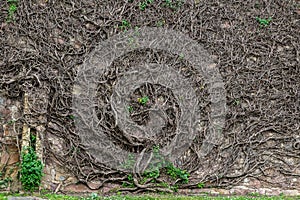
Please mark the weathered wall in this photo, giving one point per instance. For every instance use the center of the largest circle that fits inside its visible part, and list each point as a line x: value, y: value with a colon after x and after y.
x: 57, y: 178
x: 41, y: 54
x: 9, y: 143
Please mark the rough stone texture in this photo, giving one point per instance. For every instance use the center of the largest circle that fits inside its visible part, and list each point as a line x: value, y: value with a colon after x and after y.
x: 291, y: 192
x: 9, y: 148
x: 81, y: 188
x: 38, y: 101
x: 109, y: 188
x: 25, y: 198
x: 56, y: 178
x: 242, y: 190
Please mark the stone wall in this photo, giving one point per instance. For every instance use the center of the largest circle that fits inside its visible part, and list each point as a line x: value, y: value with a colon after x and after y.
x: 10, y: 132
x: 58, y: 179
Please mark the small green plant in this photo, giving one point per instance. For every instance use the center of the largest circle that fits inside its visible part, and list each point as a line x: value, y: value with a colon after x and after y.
x: 72, y: 117
x: 93, y: 196
x: 10, y: 122
x: 129, y: 183
x: 281, y: 194
x: 143, y: 180
x: 5, y: 182
x: 130, y: 177
x: 254, y: 194
x: 8, y: 179
x: 160, y: 23
x: 129, y: 162
x: 75, y: 150
x: 143, y: 5
x: 136, y: 30
x: 13, y: 4
x: 177, y: 173
x: 175, y: 188
x: 168, y: 3
x: 163, y: 184
x: 263, y: 22
x: 181, y: 56
x: 237, y: 101
x: 131, y: 41
x: 174, y: 5
x: 153, y: 171
x: 32, y: 138
x: 130, y: 109
x: 153, y: 174
x: 143, y: 100
x: 125, y: 25
x: 31, y: 170
x: 200, y: 185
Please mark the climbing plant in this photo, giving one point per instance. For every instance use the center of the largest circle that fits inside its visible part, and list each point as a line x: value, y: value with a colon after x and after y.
x: 31, y: 167
x: 31, y: 170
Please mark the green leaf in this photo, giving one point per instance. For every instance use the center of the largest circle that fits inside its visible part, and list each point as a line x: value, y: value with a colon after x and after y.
x: 31, y: 170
